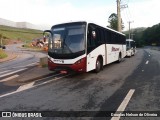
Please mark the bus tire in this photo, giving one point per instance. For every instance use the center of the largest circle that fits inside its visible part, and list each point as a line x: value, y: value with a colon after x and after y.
x: 119, y: 58
x: 133, y: 52
x: 98, y: 65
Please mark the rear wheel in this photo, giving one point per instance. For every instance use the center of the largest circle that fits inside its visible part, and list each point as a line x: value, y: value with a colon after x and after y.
x: 98, y: 66
x: 119, y: 58
x: 133, y: 52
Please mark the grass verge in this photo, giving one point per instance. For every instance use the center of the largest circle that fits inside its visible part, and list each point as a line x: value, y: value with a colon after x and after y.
x: 2, y: 54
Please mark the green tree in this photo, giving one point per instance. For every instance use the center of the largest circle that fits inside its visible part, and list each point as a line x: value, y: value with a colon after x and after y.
x: 137, y: 36
x: 113, y: 21
x: 152, y: 35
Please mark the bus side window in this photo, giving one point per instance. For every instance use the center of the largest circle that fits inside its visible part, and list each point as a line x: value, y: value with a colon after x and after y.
x: 98, y: 38
x: 91, y: 38
x: 108, y: 36
x: 102, y: 36
x: 105, y: 37
x: 88, y: 39
x: 133, y: 44
x: 112, y: 38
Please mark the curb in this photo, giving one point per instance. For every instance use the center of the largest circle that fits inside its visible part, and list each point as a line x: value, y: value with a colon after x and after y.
x: 30, y: 49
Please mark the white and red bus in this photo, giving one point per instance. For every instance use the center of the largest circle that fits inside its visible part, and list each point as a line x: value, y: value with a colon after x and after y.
x: 83, y: 46
x: 130, y: 47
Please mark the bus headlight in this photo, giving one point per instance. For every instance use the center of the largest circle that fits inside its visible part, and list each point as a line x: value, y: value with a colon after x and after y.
x: 78, y: 62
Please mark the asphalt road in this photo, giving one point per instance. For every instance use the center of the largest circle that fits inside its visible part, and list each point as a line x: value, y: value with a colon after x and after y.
x: 104, y: 91
x: 24, y: 61
x: 24, y: 57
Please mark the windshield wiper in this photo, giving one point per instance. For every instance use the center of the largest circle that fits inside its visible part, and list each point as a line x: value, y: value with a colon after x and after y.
x: 66, y: 44
x: 67, y: 47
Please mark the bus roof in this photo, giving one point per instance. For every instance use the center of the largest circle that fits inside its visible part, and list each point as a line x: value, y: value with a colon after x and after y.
x: 129, y: 40
x: 92, y: 23
x: 106, y: 28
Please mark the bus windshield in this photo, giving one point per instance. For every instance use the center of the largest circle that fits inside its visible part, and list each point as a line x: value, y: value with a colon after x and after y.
x: 67, y: 39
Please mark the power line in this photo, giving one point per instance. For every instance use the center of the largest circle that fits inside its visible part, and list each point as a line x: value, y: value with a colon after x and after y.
x: 125, y: 19
x: 131, y: 17
x: 128, y: 16
x: 130, y: 28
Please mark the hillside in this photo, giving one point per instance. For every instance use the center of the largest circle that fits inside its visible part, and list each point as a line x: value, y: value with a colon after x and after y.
x: 24, y: 35
x: 152, y: 35
x: 140, y: 29
x: 146, y: 36
x: 137, y: 34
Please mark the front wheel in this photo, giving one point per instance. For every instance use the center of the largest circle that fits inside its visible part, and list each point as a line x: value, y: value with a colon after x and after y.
x: 98, y: 66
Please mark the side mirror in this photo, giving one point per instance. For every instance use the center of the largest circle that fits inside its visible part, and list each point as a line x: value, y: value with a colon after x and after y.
x: 44, y: 38
x: 45, y: 34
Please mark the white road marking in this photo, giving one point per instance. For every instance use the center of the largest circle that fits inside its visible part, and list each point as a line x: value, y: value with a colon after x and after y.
x: 9, y: 78
x: 149, y: 55
x: 51, y: 80
x: 31, y: 64
x: 14, y: 92
x: 5, y: 71
x: 123, y: 105
x: 3, y: 68
x: 12, y: 72
x: 8, y: 94
x: 48, y: 77
x: 147, y: 62
x: 25, y: 87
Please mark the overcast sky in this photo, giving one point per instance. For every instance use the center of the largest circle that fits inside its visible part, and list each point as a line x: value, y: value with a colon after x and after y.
x: 144, y: 13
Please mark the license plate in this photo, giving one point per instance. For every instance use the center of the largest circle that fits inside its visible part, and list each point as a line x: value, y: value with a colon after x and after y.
x: 63, y: 72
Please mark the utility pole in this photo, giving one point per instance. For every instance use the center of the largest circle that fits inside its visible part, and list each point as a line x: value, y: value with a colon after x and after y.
x: 119, y: 7
x: 132, y: 36
x: 119, y: 15
x: 130, y: 29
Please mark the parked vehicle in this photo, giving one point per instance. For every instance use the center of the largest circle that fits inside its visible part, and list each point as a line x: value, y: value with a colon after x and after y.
x: 84, y: 46
x: 131, y: 47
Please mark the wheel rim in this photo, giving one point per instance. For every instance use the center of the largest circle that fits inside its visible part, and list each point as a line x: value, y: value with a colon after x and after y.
x: 119, y: 59
x: 98, y: 65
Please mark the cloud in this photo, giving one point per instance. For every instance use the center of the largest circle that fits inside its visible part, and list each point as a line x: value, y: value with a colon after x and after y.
x: 144, y: 13
x: 40, y: 12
